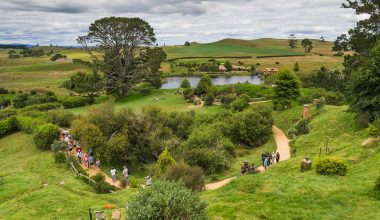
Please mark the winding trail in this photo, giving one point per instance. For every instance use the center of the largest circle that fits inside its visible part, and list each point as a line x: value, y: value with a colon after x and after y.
x: 108, y: 179
x: 282, y: 143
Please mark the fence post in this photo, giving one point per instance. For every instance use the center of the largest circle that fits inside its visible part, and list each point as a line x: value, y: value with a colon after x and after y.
x: 90, y: 212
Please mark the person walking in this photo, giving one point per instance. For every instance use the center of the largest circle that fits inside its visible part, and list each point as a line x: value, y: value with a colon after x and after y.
x: 98, y: 164
x: 113, y: 174
x: 125, y: 174
x: 263, y: 155
x: 273, y: 158
x: 91, y: 162
x: 277, y: 157
x: 148, y: 181
x: 266, y: 163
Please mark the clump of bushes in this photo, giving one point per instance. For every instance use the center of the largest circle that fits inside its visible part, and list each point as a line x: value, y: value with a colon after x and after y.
x: 61, y: 118
x: 191, y: 177
x: 57, y: 57
x: 76, y: 101
x: 58, y: 146
x: 239, y: 104
x: 167, y: 200
x: 3, y: 90
x: 372, y: 130
x: 28, y: 124
x: 4, y: 102
x: 165, y: 160
x: 45, y: 136
x: 209, y: 99
x: 8, y: 126
x: 101, y: 186
x: 331, y: 166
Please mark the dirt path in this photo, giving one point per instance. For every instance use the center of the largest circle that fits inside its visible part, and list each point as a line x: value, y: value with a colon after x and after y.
x: 283, y: 148
x: 92, y: 172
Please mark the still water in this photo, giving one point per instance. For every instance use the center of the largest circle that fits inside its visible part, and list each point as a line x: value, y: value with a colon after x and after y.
x: 175, y: 81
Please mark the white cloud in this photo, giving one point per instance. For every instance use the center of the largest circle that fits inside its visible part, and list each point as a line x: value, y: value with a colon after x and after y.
x: 175, y: 21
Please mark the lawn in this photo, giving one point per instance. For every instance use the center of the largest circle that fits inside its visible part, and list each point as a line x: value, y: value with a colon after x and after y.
x: 284, y: 192
x: 22, y: 196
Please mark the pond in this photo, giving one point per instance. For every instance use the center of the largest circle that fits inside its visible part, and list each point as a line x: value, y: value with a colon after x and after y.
x: 175, y: 81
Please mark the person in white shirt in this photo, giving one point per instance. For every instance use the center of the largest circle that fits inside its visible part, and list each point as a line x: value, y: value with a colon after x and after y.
x: 125, y: 174
x: 113, y: 174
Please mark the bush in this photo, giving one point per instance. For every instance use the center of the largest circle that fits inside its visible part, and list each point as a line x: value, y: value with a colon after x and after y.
x: 239, y: 105
x: 209, y: 99
x: 188, y: 93
x: 377, y: 185
x: 331, y: 166
x: 320, y: 103
x: 4, y: 102
x: 3, y: 91
x: 57, y: 57
x: 59, y: 157
x: 165, y: 160
x: 133, y: 182
x: 40, y: 98
x: 57, y: 146
x: 191, y: 177
x: 100, y: 185
x: 41, y: 107
x: 335, y: 98
x: 28, y: 124
x: 372, y: 130
x: 61, y: 118
x: 185, y: 84
x: 302, y: 127
x: 167, y: 200
x: 45, y: 136
x: 76, y: 101
x: 6, y: 113
x: 226, y: 100
x: 20, y: 101
x: 204, y: 85
x: 305, y: 100
x: 8, y: 126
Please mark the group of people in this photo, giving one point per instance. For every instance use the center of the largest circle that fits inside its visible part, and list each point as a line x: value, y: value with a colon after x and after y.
x: 248, y: 169
x: 126, y: 174
x: 268, y: 159
x: 87, y: 159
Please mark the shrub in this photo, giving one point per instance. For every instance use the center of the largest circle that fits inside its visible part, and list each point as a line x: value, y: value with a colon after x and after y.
x: 3, y: 91
x: 320, y: 103
x: 61, y: 118
x: 59, y: 157
x: 28, y: 124
x: 165, y: 160
x: 204, y: 85
x: 209, y: 99
x: 5, y: 113
x: 296, y: 67
x: 33, y: 92
x: 372, y: 130
x: 4, y: 102
x: 20, y: 101
x: 8, y: 126
x: 226, y: 100
x: 252, y: 127
x: 167, y: 200
x: 45, y: 136
x: 39, y: 99
x: 133, y: 182
x: 188, y: 93
x: 305, y: 100
x: 239, y: 105
x: 191, y: 177
x: 335, y: 98
x: 302, y: 127
x: 41, y: 107
x: 185, y: 84
x: 76, y: 101
x: 100, y: 185
x: 331, y: 166
x: 58, y: 146
x: 57, y: 57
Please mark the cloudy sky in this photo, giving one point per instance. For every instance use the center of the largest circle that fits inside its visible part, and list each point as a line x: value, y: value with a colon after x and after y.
x: 175, y: 21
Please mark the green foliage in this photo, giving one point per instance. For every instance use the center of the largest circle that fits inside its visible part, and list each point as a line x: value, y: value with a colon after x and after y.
x: 20, y: 100
x: 292, y: 42
x: 364, y: 86
x: 59, y: 157
x: 228, y: 66
x: 61, y: 118
x: 8, y: 126
x: 287, y: 89
x: 45, y: 136
x: 84, y: 83
x: 76, y: 101
x: 165, y: 160
x: 4, y: 102
x: 209, y: 99
x: 325, y: 78
x: 302, y: 127
x: 331, y: 166
x: 377, y: 185
x: 307, y: 44
x: 101, y: 186
x: 208, y: 148
x: 192, y: 177
x: 227, y: 100
x: 133, y: 182
x: 372, y: 130
x: 29, y: 124
x: 252, y: 127
x: 239, y: 104
x: 57, y: 146
x: 188, y: 93
x: 41, y: 107
x: 204, y: 85
x: 185, y: 84
x: 187, y: 44
x: 341, y: 43
x: 167, y: 200
x: 320, y: 103
x: 296, y: 67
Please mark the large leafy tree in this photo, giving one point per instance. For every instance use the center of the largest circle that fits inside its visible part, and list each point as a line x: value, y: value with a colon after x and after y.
x: 127, y: 58
x: 307, y: 44
x: 365, y: 86
x: 286, y: 90
x: 341, y: 43
x: 84, y: 83
x: 364, y: 36
x: 292, y: 41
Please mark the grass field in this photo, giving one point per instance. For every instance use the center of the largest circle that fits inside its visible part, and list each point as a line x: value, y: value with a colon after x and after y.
x: 284, y: 192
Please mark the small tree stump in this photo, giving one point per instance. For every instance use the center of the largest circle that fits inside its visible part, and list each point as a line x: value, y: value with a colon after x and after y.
x: 306, y: 165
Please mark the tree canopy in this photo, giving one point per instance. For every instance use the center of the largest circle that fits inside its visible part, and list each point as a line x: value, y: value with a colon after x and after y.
x: 127, y: 58
x: 287, y: 89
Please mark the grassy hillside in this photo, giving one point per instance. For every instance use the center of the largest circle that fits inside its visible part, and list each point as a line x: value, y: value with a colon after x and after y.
x: 284, y: 192
x: 22, y: 196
